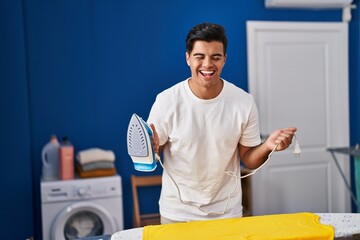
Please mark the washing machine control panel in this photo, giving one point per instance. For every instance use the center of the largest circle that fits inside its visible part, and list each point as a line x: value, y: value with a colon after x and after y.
x: 82, y: 191
x: 79, y: 189
x: 86, y: 191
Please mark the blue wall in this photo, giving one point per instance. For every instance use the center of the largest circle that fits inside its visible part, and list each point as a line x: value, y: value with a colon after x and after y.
x: 16, y: 176
x: 81, y: 68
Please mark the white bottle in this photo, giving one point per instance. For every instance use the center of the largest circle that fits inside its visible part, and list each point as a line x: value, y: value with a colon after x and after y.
x: 50, y: 159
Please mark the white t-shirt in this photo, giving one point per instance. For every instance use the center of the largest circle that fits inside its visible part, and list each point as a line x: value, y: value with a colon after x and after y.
x: 202, y: 138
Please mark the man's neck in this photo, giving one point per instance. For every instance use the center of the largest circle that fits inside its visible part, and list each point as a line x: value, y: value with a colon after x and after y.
x: 206, y: 92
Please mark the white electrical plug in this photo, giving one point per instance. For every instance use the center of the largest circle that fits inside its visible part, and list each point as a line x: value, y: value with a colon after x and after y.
x: 297, y: 149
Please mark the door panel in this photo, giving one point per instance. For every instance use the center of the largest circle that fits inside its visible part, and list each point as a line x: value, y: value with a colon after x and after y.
x: 298, y: 76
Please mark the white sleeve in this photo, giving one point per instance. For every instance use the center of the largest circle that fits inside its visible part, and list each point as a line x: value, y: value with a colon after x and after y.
x: 157, y: 118
x: 251, y: 131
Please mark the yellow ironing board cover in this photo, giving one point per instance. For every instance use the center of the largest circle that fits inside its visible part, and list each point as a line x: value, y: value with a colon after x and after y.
x: 267, y: 227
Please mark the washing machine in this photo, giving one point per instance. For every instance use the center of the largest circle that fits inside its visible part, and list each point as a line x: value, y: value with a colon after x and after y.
x: 81, y: 207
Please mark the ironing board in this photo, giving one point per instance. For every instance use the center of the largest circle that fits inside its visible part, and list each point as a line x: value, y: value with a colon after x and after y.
x: 345, y: 225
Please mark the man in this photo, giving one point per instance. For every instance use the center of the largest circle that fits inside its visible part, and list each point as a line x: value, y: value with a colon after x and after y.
x: 204, y: 126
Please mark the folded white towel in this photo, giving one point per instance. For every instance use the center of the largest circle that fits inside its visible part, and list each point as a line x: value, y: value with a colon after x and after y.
x: 94, y: 154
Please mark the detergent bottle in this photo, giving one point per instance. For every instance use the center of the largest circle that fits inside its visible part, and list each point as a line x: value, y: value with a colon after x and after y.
x: 66, y: 159
x: 50, y: 159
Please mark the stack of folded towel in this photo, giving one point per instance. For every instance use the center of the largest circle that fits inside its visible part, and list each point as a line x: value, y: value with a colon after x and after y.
x: 95, y: 162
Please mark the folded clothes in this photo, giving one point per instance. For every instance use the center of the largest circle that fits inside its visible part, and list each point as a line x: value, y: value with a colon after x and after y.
x: 94, y: 154
x: 95, y: 173
x: 101, y: 164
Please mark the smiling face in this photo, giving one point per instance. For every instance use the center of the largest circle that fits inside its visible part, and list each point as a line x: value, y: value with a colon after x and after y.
x: 206, y: 61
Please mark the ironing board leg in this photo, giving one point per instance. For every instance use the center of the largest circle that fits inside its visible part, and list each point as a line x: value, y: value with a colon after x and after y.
x: 353, y: 197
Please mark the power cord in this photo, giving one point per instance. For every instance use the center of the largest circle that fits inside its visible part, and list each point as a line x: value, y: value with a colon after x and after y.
x: 297, y: 152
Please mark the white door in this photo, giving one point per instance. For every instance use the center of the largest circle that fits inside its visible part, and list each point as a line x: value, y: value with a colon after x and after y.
x: 298, y: 74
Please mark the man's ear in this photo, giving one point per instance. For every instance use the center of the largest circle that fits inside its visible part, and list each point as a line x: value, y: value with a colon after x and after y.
x: 187, y: 58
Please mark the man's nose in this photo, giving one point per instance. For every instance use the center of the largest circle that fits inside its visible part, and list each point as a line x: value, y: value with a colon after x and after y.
x: 207, y: 62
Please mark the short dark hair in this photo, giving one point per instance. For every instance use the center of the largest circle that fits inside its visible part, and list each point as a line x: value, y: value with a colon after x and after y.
x: 206, y: 32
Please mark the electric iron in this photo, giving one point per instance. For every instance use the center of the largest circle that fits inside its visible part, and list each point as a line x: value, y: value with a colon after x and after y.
x: 139, y: 144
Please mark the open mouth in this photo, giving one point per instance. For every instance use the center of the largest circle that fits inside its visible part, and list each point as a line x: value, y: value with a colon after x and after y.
x: 207, y: 73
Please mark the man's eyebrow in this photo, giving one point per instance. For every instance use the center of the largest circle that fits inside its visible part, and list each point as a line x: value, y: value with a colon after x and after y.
x: 213, y: 55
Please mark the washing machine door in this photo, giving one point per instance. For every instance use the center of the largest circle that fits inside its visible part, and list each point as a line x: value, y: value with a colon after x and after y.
x: 82, y: 219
